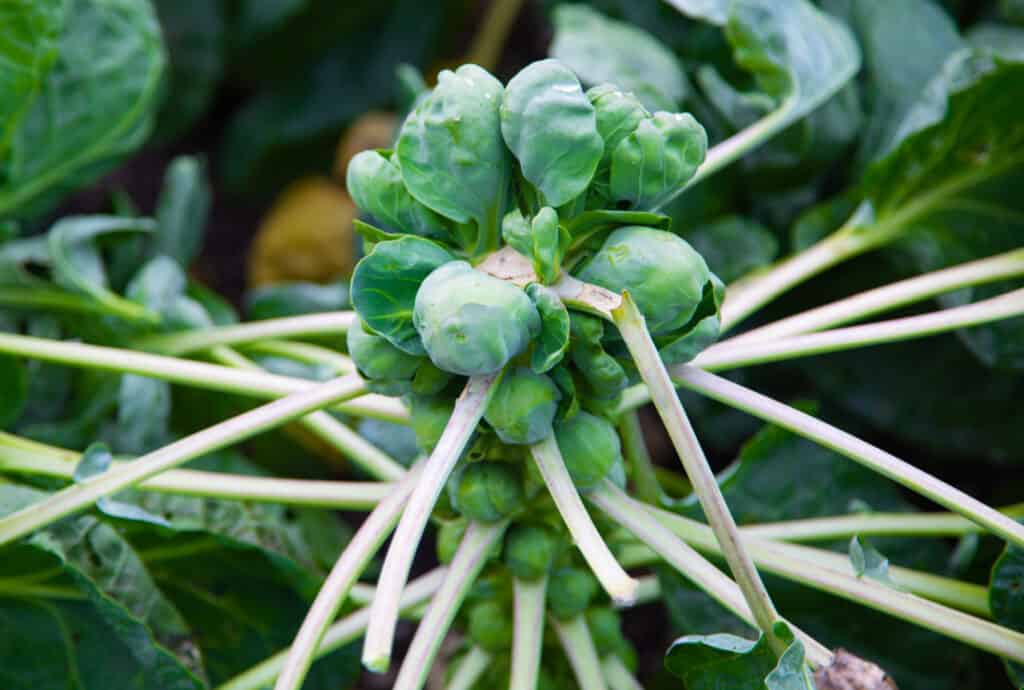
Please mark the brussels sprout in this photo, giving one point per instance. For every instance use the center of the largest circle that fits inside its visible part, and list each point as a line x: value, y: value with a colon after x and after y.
x: 377, y: 359
x: 661, y: 155
x: 590, y: 447
x: 529, y: 551
x: 550, y: 347
x: 523, y: 407
x: 517, y: 233
x: 375, y: 184
x: 449, y: 536
x: 488, y: 491
x: 470, y: 322
x: 664, y: 275
x: 570, y: 591
x: 618, y: 115
x: 606, y: 630
x: 428, y: 416
x: 602, y: 371
x: 490, y: 626
x: 397, y: 440
x: 429, y: 380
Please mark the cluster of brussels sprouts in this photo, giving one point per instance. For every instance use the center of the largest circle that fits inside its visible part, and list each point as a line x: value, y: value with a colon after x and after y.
x: 563, y: 177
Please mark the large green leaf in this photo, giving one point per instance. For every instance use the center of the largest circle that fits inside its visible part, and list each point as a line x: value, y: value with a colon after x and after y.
x: 99, y: 623
x: 947, y: 188
x: 28, y: 47
x: 182, y: 210
x: 1006, y: 597
x: 605, y: 51
x: 94, y: 107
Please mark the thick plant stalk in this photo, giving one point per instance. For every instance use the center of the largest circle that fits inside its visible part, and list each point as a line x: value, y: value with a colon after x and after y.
x: 345, y: 631
x: 21, y: 456
x: 187, y: 372
x: 864, y: 591
x: 617, y: 675
x: 470, y: 668
x: 305, y: 352
x: 681, y: 556
x: 469, y: 560
x: 579, y: 648
x: 616, y: 581
x: 634, y: 331
x: 892, y: 296
x: 80, y: 496
x: 859, y: 451
x: 346, y: 571
x: 528, y: 633
x: 469, y: 409
x: 363, y: 453
x: 328, y: 323
x: 731, y: 356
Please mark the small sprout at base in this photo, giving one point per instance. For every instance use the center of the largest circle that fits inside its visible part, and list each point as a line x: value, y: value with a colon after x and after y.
x: 490, y: 626
x: 488, y: 491
x: 530, y: 550
x: 523, y: 408
x: 570, y: 591
x: 590, y: 448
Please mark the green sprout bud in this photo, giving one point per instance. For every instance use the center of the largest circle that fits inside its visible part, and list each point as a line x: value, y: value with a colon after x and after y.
x: 570, y: 591
x: 523, y: 407
x: 470, y: 322
x: 605, y: 628
x: 664, y: 274
x: 490, y: 626
x: 449, y: 536
x: 428, y: 416
x: 387, y: 369
x: 590, y: 448
x: 530, y: 551
x: 488, y: 491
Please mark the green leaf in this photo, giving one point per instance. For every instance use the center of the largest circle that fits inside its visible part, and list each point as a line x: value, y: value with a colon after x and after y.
x: 551, y: 128
x: 550, y: 347
x: 385, y: 283
x: 1007, y: 41
x: 733, y: 246
x: 95, y: 105
x: 182, y: 210
x: 28, y: 48
x: 1006, y: 598
x: 95, y: 461
x: 15, y: 378
x: 601, y: 50
x: 143, y: 413
x: 549, y: 244
x: 451, y: 153
x: 867, y: 561
x: 111, y: 628
x: 661, y: 155
x: 295, y: 299
x: 953, y: 170
x: 709, y: 662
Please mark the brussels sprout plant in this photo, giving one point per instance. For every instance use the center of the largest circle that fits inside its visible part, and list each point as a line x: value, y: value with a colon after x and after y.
x: 527, y: 286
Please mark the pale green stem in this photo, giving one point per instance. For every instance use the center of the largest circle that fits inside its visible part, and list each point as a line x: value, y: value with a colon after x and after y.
x: 528, y: 633
x: 616, y: 581
x: 731, y: 356
x: 27, y: 457
x: 471, y: 667
x: 187, y: 372
x: 617, y: 675
x: 469, y: 408
x: 369, y: 457
x: 864, y: 591
x: 490, y: 38
x: 306, y: 353
x: 892, y: 296
x: 325, y: 324
x: 681, y: 556
x: 469, y: 560
x: 345, y: 631
x: 47, y: 298
x: 859, y: 451
x: 634, y: 448
x: 634, y: 331
x: 349, y: 566
x: 79, y: 497
x: 647, y: 591
x: 579, y: 648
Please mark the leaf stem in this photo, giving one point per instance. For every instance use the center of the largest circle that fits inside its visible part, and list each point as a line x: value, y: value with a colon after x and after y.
x: 627, y: 512
x: 469, y: 408
x: 22, y: 456
x: 187, y: 372
x: 527, y: 633
x: 892, y: 296
x: 616, y: 581
x: 579, y: 648
x: 345, y: 631
x: 731, y: 356
x: 859, y: 451
x: 304, y: 352
x: 180, y: 343
x: 635, y: 451
x: 471, y: 667
x: 634, y: 331
x: 79, y: 497
x: 350, y: 565
x: 469, y: 560
x: 617, y: 675
x: 485, y: 50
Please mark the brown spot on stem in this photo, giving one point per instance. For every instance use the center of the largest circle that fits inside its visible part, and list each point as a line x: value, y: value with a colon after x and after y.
x: 849, y: 672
